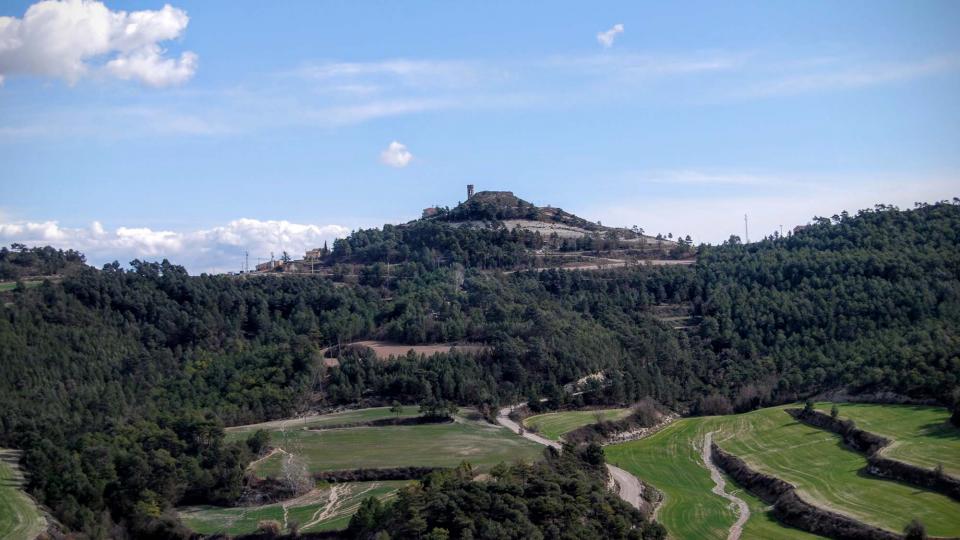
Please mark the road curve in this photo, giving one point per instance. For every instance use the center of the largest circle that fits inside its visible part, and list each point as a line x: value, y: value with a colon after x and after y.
x: 743, y: 510
x: 628, y: 486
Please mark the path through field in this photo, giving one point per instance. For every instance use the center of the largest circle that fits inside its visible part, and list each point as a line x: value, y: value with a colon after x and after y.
x: 629, y: 487
x: 743, y: 511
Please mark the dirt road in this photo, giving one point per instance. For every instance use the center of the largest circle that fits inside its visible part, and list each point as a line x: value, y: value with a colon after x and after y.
x: 629, y: 487
x: 743, y: 510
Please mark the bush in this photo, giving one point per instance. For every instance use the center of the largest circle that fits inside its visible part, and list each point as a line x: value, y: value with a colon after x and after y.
x: 915, y: 531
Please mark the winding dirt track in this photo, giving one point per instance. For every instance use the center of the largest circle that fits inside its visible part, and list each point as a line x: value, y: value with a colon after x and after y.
x: 629, y: 487
x: 743, y: 510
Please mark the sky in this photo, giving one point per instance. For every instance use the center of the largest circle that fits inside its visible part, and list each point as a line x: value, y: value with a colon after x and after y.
x: 201, y: 130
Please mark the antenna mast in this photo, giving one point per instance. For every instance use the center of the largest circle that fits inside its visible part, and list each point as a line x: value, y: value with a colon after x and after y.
x: 746, y: 230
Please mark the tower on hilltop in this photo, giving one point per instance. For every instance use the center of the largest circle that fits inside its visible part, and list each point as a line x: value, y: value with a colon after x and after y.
x: 469, y: 191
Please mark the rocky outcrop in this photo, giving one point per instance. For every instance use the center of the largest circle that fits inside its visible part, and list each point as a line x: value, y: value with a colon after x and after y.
x: 871, y: 444
x: 790, y: 509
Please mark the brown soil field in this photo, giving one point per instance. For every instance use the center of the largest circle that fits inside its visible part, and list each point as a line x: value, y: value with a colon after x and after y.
x: 386, y: 349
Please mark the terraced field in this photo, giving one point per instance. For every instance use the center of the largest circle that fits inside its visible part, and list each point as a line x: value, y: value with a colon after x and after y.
x: 555, y: 425
x: 815, y: 461
x: 921, y: 435
x: 429, y: 445
x: 326, y: 508
x: 20, y: 519
x: 345, y: 417
x: 469, y: 438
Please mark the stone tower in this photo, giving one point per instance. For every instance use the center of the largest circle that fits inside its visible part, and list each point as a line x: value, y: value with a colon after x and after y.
x: 469, y: 191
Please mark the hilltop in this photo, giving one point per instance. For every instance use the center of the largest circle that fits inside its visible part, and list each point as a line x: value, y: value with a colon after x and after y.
x: 496, y: 209
x: 493, y: 230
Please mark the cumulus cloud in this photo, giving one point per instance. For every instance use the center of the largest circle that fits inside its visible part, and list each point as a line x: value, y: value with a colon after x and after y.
x: 606, y: 38
x: 219, y: 248
x: 65, y: 39
x: 396, y: 155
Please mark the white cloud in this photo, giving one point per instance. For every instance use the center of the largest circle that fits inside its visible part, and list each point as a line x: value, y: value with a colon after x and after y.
x: 341, y: 115
x: 848, y: 77
x: 149, y: 66
x: 65, y: 38
x: 216, y: 249
x: 606, y: 38
x: 405, y: 72
x: 396, y: 155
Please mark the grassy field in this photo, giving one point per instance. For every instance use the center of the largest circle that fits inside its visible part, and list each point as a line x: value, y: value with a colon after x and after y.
x: 428, y: 445
x: 921, y: 435
x: 555, y: 425
x: 670, y: 460
x: 814, y: 460
x: 329, y: 507
x: 345, y: 417
x: 20, y: 519
x: 11, y: 285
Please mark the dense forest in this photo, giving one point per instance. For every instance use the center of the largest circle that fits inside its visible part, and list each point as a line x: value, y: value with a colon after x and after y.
x: 19, y: 261
x: 563, y: 497
x: 117, y: 382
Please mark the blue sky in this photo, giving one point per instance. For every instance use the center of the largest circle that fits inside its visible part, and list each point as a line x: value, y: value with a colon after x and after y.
x: 203, y: 129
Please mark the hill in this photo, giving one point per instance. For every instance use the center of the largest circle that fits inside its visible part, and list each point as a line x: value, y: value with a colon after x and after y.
x: 494, y: 230
x: 493, y: 209
x: 117, y: 383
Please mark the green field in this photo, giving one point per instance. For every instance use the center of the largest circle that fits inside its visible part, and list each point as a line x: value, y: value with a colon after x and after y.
x: 428, y: 445
x: 11, y: 285
x: 921, y: 435
x: 345, y: 417
x: 20, y: 519
x: 319, y: 510
x: 555, y: 425
x: 824, y: 472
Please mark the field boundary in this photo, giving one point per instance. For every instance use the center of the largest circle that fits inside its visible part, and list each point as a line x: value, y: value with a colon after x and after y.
x: 629, y: 487
x: 386, y: 422
x: 872, y: 446
x: 371, y: 475
x: 789, y: 508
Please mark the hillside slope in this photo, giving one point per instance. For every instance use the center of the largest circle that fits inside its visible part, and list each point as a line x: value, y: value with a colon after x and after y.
x: 116, y: 383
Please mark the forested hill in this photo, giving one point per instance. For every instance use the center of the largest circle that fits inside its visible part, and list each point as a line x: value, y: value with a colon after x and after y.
x: 496, y: 230
x: 19, y: 262
x: 117, y: 382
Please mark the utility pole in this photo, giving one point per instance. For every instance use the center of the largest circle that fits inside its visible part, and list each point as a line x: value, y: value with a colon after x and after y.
x: 746, y: 230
